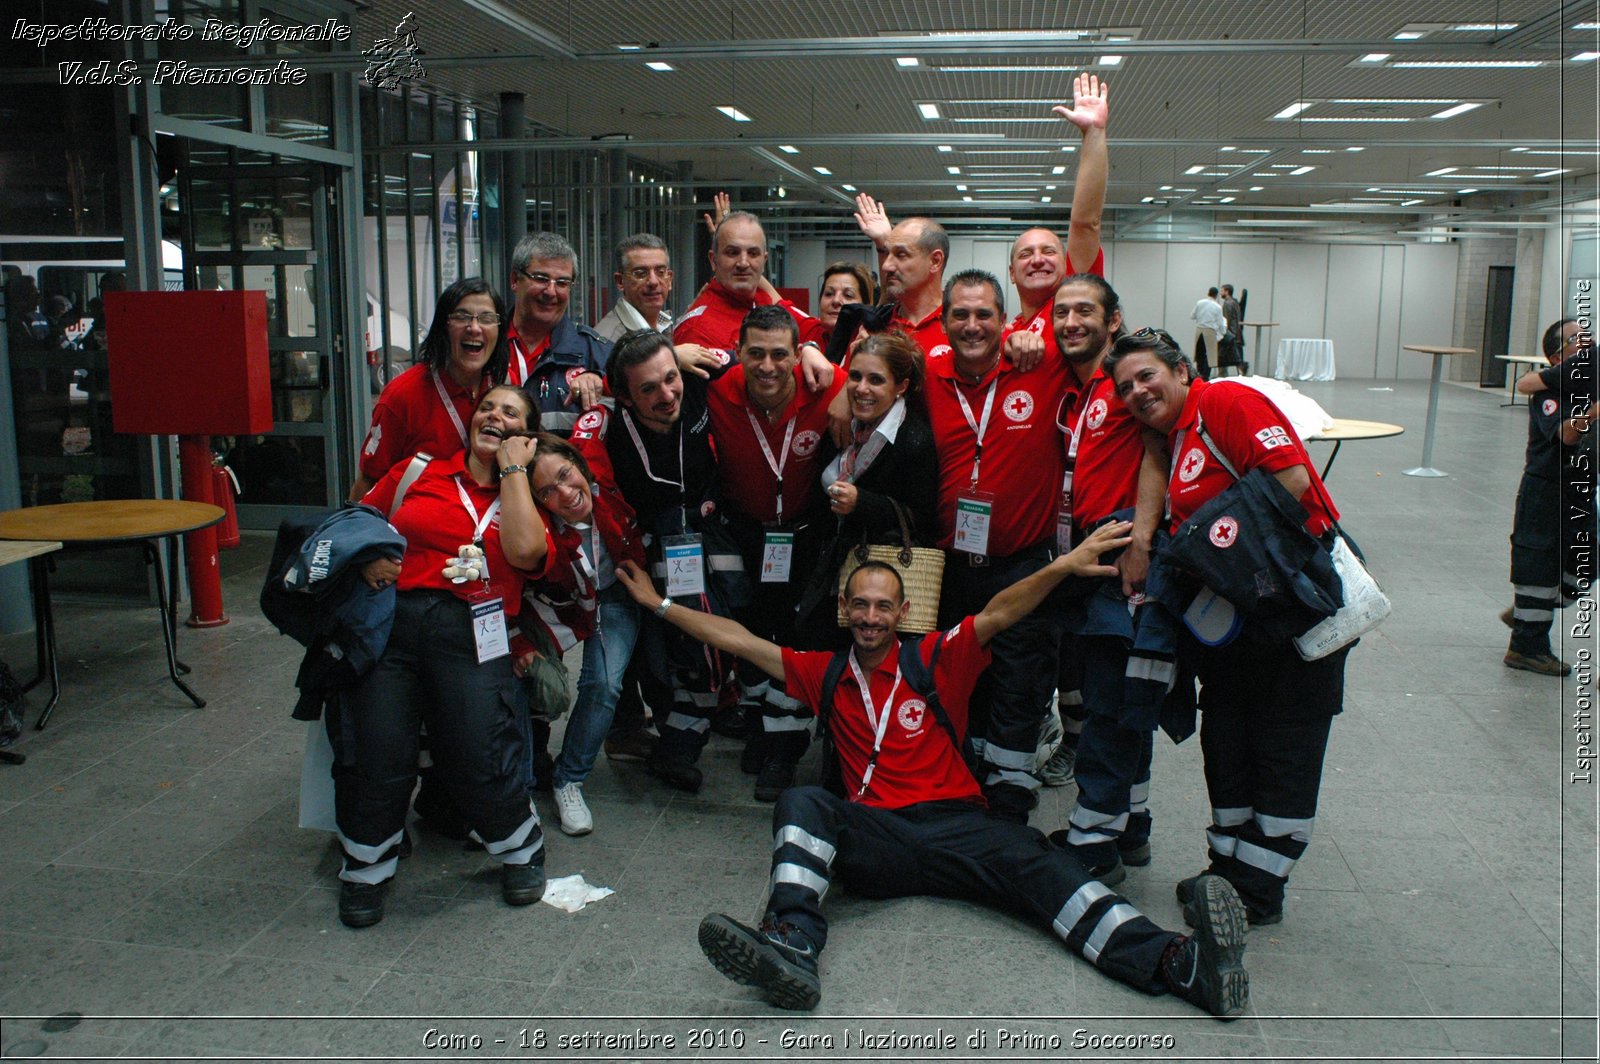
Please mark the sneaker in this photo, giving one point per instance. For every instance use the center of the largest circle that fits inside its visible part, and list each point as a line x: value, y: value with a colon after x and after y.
x: 776, y: 777
x: 575, y: 816
x: 633, y: 747
x: 1050, y: 736
x: 1058, y: 771
x: 523, y: 884
x: 675, y: 772
x: 1543, y: 663
x: 1186, y: 895
x: 777, y: 958
x: 1205, y: 968
x: 360, y: 904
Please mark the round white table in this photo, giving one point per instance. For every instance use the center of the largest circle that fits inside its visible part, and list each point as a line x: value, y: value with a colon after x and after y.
x: 1304, y: 360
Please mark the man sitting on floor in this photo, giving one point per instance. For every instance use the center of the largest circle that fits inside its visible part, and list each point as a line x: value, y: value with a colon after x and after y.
x: 914, y: 821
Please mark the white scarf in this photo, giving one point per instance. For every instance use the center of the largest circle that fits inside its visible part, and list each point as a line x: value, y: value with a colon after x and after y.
x: 860, y: 456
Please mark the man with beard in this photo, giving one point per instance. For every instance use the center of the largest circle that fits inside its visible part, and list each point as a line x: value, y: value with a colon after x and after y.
x: 913, y: 822
x: 1110, y: 474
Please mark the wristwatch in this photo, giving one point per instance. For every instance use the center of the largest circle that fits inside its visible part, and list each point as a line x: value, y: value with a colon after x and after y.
x: 508, y: 470
x: 661, y: 610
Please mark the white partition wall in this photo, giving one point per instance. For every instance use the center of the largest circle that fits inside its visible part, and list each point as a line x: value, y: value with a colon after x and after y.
x: 1427, y: 303
x: 1387, y: 361
x: 1190, y: 270
x: 1139, y: 274
x: 1355, y: 292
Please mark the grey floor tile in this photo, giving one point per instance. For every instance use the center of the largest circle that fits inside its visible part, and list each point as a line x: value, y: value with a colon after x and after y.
x: 310, y: 931
x: 100, y: 978
x: 690, y: 884
x: 1434, y: 866
x: 44, y: 830
x: 609, y: 957
x: 1486, y: 927
x: 76, y: 902
x: 120, y: 784
x: 191, y: 912
x: 153, y: 840
x: 477, y: 936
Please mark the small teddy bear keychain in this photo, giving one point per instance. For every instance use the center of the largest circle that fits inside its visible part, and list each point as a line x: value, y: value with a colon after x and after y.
x: 467, y: 565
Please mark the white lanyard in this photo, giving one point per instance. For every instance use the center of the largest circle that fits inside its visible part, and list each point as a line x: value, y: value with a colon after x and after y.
x: 876, y: 722
x: 980, y: 427
x: 1077, y: 433
x: 522, y: 359
x: 644, y: 459
x: 775, y: 464
x: 449, y: 407
x: 479, y: 523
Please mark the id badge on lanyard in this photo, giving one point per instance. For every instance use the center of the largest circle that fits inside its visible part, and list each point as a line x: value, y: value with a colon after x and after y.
x: 974, y: 512
x: 686, y: 565
x: 489, y: 626
x: 777, y: 554
x: 1064, y: 516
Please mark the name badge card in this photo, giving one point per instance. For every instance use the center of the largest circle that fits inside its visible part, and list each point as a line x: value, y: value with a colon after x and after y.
x: 686, y: 565
x: 776, y: 555
x: 973, y: 514
x: 489, y: 629
x: 1064, y: 516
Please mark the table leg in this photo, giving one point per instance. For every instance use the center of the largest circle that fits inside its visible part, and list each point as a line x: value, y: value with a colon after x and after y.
x: 1426, y: 468
x: 152, y: 555
x: 45, y: 635
x: 1336, y: 445
x: 174, y: 559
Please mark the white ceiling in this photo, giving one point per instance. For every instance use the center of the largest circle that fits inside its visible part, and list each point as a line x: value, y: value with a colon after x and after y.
x: 1199, y: 85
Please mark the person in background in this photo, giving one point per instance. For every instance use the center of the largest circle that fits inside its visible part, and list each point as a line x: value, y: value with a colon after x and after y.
x: 842, y: 283
x: 1552, y: 532
x: 1210, y: 326
x: 560, y: 362
x: 644, y: 279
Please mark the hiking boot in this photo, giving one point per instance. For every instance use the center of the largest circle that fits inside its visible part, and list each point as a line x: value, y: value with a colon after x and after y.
x: 635, y: 747
x: 1186, y: 895
x: 778, y: 958
x: 523, y: 884
x: 676, y: 772
x: 1205, y: 968
x: 1058, y: 771
x: 574, y: 811
x: 737, y: 721
x: 360, y: 904
x: 1544, y: 663
x: 776, y: 777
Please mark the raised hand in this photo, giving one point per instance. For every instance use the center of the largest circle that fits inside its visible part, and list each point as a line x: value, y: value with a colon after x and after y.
x: 1089, y: 108
x: 873, y: 220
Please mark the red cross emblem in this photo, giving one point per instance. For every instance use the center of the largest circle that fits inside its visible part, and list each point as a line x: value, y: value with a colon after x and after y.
x: 1224, y: 532
x: 1192, y: 464
x: 1018, y: 406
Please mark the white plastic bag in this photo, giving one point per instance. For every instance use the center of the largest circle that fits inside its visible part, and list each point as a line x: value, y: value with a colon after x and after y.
x: 316, y: 780
x: 1365, y: 607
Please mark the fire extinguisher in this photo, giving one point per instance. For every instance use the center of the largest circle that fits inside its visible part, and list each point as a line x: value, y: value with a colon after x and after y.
x: 224, y: 486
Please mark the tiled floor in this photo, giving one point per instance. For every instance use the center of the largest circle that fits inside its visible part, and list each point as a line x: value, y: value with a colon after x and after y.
x: 154, y: 879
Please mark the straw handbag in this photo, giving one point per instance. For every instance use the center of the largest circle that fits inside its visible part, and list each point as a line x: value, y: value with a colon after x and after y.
x: 920, y: 568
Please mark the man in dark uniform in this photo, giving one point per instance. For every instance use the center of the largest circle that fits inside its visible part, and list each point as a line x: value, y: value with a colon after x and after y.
x: 1553, y: 532
x: 914, y: 822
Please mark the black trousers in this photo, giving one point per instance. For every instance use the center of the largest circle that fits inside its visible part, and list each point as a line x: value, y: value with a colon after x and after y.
x: 953, y: 850
x: 1552, y: 541
x: 1265, y: 715
x: 1010, y: 701
x: 429, y: 674
x: 1114, y: 755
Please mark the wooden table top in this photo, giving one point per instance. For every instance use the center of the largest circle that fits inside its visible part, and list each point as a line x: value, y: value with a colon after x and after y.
x: 1346, y: 428
x: 1262, y: 324
x: 1429, y: 349
x: 17, y: 550
x: 1525, y: 360
x: 108, y: 520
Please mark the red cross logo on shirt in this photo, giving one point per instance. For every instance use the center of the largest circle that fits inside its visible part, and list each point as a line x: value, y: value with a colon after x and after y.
x: 1192, y: 464
x: 1018, y: 406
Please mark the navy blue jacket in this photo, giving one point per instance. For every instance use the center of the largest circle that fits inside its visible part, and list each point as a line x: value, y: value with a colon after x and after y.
x: 573, y: 346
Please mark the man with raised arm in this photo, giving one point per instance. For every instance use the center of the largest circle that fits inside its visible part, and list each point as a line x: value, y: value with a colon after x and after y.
x: 910, y: 819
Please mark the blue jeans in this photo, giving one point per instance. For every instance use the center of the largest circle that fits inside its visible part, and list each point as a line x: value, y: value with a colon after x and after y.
x: 605, y: 661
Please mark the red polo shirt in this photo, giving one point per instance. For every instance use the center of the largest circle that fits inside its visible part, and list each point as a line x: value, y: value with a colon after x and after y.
x: 1105, y: 478
x: 1250, y: 431
x: 1023, y: 460
x: 409, y: 417
x: 928, y: 333
x: 713, y: 319
x: 917, y: 762
x: 1040, y: 322
x: 436, y: 524
x: 749, y: 486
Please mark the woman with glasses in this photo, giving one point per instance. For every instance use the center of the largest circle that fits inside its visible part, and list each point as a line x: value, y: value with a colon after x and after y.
x: 473, y: 539
x: 1265, y: 711
x: 582, y: 601
x: 427, y: 407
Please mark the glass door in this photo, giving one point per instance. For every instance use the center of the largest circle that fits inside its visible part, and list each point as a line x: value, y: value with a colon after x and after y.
x: 253, y: 222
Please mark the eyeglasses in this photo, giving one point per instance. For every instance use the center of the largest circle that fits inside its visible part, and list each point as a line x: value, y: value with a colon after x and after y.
x: 485, y: 318
x: 644, y: 273
x: 544, y: 280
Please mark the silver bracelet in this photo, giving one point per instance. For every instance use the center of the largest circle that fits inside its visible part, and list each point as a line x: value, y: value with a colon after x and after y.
x: 510, y: 469
x: 661, y: 610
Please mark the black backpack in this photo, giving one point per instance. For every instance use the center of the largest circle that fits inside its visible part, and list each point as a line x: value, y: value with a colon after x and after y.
x: 918, y: 677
